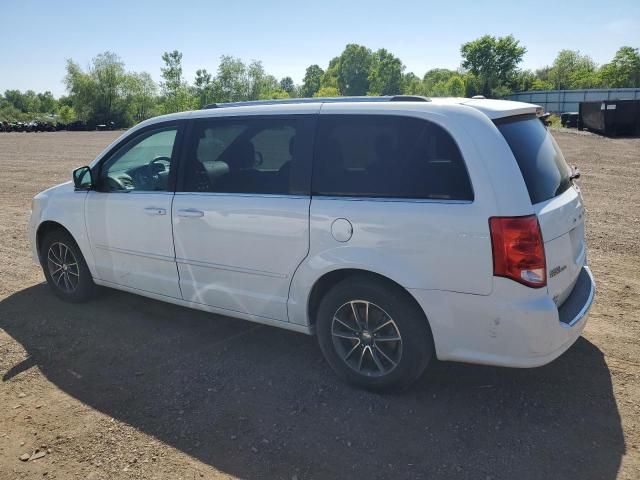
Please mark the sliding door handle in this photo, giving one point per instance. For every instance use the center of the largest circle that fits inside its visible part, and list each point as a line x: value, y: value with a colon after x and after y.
x: 155, y: 211
x: 190, y: 212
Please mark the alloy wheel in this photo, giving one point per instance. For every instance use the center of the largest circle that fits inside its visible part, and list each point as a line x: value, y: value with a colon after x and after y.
x: 63, y: 267
x: 366, y: 338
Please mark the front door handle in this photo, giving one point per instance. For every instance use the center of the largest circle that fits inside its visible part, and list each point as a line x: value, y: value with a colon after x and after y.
x: 190, y: 212
x: 155, y: 211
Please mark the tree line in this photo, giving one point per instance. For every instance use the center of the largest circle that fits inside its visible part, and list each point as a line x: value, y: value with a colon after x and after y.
x: 106, y: 92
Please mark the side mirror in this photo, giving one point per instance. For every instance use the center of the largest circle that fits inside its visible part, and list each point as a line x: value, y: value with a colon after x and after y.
x: 82, y: 178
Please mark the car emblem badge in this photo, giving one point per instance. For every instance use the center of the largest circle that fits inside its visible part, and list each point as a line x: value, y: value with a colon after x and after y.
x: 557, y: 270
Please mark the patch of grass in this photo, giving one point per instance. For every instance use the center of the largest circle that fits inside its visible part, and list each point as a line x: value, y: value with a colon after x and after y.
x: 554, y: 121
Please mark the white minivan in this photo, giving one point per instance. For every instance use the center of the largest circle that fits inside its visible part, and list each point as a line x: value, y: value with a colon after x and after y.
x: 395, y: 229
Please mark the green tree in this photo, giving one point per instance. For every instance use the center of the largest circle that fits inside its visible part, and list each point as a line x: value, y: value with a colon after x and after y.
x: 473, y: 85
x: 141, y: 92
x: 442, y: 82
x: 48, y: 103
x: 624, y: 70
x: 353, y: 70
x: 539, y: 84
x: 412, y: 85
x: 32, y: 101
x: 385, y: 74
x: 455, y: 86
x: 541, y: 80
x: 522, y: 80
x: 501, y: 91
x: 438, y: 89
x: 436, y: 76
x: 231, y: 82
x: 257, y: 82
x: 543, y: 73
x: 82, y: 90
x: 107, y: 93
x: 109, y: 78
x: 98, y: 96
x: 570, y: 70
x: 280, y: 94
x: 15, y: 99
x: 9, y: 113
x: 297, y: 92
x: 492, y: 60
x: 327, y: 92
x: 330, y: 76
x: 204, y: 88
x: 238, y: 82
x: 287, y: 85
x: 269, y: 88
x: 312, y: 78
x: 27, y: 102
x: 66, y: 114
x: 175, y: 91
x: 64, y: 100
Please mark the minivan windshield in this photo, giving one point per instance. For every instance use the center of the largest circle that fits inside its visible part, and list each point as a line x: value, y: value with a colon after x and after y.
x: 541, y: 162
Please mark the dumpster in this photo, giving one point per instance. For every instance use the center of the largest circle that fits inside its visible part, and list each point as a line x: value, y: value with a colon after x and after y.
x: 610, y: 117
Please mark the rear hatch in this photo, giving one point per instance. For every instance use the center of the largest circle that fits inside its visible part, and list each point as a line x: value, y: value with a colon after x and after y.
x: 556, y: 199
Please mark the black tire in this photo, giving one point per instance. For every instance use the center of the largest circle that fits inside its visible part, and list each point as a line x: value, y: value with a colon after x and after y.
x: 65, y: 270
x: 405, y: 360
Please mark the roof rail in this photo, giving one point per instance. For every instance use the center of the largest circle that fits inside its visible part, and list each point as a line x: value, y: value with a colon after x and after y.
x: 286, y: 101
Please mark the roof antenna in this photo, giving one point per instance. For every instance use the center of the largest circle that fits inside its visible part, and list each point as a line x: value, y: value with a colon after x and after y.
x: 478, y: 97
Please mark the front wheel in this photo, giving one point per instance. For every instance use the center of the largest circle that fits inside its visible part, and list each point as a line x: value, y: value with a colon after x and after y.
x: 64, y: 267
x: 373, y: 335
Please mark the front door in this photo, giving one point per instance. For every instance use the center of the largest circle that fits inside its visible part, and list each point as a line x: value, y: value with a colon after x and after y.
x: 241, y: 221
x: 128, y: 215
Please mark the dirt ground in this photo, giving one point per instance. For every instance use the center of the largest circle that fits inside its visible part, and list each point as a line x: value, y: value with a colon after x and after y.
x: 126, y: 387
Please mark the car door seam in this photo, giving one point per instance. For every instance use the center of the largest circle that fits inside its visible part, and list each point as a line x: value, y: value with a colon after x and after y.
x: 309, y: 198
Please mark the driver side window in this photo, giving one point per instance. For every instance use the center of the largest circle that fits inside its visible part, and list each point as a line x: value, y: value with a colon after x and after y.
x: 141, y: 165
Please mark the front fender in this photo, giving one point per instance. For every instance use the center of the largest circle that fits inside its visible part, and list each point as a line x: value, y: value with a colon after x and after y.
x: 65, y: 206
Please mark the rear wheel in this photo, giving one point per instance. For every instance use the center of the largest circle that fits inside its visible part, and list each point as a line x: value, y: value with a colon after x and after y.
x: 65, y: 268
x: 373, y: 334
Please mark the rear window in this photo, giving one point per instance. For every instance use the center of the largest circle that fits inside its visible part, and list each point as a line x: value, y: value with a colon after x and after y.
x: 541, y: 162
x: 387, y: 156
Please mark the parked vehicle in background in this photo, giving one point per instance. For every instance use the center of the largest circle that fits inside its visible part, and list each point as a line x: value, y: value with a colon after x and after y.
x: 569, y: 119
x: 395, y: 229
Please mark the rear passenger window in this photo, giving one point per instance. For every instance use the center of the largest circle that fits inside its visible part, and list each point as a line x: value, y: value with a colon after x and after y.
x: 250, y: 155
x: 387, y: 156
x: 274, y: 146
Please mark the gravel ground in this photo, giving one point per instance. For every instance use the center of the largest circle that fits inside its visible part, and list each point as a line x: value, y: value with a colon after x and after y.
x: 126, y: 387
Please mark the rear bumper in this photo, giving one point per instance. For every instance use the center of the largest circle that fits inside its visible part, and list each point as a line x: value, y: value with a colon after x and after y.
x: 513, y: 327
x: 577, y: 305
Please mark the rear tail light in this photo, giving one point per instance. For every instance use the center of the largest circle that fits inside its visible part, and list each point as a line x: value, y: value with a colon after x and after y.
x: 518, y: 250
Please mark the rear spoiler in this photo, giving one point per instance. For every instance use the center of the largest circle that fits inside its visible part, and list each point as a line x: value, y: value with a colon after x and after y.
x: 495, y: 109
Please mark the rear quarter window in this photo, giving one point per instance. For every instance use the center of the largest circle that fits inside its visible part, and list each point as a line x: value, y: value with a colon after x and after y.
x: 387, y: 156
x: 543, y: 167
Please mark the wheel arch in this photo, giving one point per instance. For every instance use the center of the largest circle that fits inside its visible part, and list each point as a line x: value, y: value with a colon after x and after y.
x: 47, y: 227
x: 324, y: 283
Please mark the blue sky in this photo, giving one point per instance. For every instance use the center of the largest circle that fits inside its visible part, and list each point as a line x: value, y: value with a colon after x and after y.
x: 288, y: 36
